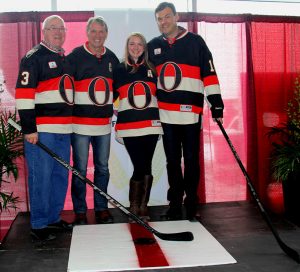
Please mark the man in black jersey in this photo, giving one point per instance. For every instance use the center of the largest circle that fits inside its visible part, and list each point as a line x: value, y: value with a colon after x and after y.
x: 93, y: 65
x: 185, y: 75
x: 44, y: 98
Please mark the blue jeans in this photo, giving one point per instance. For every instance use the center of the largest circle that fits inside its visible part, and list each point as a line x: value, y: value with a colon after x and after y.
x: 101, y: 148
x: 182, y: 140
x: 47, y: 179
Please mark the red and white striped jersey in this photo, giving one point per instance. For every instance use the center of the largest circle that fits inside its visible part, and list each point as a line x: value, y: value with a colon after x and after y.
x: 185, y: 75
x: 137, y: 112
x: 44, y: 92
x: 93, y: 77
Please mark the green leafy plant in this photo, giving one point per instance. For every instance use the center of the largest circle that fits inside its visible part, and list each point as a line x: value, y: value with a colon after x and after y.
x: 11, y: 148
x: 285, y: 156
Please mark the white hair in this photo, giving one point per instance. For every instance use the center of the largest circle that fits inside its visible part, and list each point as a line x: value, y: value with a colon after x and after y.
x: 48, y: 19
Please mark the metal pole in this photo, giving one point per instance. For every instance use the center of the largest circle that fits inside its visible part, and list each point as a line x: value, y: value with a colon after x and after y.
x: 53, y: 5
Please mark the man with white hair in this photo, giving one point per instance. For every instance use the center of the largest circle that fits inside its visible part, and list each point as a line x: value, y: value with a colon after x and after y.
x: 44, y: 98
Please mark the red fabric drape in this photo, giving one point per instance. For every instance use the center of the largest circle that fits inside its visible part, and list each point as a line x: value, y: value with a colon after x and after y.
x: 16, y: 38
x: 276, y: 61
x: 222, y: 178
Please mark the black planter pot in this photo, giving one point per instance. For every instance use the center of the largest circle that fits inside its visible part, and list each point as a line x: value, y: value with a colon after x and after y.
x: 291, y: 194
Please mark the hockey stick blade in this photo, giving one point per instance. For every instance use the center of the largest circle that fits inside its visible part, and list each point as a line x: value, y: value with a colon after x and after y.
x: 289, y: 251
x: 179, y: 236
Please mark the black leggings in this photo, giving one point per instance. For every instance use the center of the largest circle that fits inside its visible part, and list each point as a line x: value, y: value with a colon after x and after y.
x: 141, y: 150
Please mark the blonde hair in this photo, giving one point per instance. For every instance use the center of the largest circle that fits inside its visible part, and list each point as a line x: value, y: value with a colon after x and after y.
x: 148, y: 64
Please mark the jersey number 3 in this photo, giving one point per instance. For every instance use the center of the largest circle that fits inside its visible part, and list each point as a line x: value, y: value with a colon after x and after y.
x: 25, y: 78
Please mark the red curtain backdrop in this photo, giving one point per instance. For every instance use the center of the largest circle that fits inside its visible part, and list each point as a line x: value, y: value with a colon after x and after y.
x: 16, y: 38
x: 276, y: 62
x: 223, y: 181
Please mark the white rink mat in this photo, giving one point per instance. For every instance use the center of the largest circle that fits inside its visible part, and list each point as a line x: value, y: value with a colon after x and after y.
x: 111, y: 248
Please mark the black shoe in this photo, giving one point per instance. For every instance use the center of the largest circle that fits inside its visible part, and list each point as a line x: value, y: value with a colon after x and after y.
x: 80, y: 219
x: 192, y: 213
x: 193, y: 217
x: 103, y: 217
x: 61, y: 225
x: 173, y: 213
x: 43, y: 234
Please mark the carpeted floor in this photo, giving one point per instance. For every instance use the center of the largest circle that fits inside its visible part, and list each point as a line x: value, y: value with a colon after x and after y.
x: 237, y: 226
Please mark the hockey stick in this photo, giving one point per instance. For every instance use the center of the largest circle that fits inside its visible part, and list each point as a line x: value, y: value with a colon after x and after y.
x: 179, y: 236
x: 289, y: 251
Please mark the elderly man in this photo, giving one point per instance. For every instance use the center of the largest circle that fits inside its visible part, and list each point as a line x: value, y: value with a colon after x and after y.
x: 93, y: 64
x: 44, y: 98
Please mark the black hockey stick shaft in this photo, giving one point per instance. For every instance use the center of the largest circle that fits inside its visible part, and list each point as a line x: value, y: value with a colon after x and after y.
x: 179, y: 236
x: 289, y: 251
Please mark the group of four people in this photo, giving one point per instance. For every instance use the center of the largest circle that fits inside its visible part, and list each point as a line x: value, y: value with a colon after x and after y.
x: 160, y: 86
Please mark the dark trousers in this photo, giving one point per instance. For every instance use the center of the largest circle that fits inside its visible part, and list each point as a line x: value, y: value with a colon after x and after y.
x: 182, y: 141
x: 141, y: 150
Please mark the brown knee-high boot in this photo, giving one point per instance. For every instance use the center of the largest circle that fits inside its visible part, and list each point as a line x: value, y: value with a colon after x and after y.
x: 135, y: 193
x: 147, y: 184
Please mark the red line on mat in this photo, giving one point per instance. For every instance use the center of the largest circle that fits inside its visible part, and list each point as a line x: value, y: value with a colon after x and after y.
x: 148, y: 255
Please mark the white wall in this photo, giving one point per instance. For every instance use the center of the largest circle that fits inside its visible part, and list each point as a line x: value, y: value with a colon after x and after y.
x: 122, y: 22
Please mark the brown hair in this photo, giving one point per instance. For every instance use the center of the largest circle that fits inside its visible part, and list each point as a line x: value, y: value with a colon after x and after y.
x: 164, y: 5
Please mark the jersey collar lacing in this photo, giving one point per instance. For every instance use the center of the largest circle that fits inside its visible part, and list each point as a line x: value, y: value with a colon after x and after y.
x: 98, y: 55
x: 59, y: 51
x: 171, y: 41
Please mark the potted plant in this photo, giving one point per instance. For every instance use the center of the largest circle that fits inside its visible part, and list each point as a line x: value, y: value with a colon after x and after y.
x: 11, y: 147
x: 285, y: 156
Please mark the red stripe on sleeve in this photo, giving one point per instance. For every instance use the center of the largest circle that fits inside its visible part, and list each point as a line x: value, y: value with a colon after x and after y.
x: 210, y: 80
x: 25, y: 93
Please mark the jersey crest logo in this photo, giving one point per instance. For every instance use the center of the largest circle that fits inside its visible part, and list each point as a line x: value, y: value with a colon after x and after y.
x: 157, y: 51
x: 52, y: 64
x: 31, y: 52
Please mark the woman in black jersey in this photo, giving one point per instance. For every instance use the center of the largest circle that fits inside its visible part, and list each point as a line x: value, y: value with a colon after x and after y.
x: 138, y: 123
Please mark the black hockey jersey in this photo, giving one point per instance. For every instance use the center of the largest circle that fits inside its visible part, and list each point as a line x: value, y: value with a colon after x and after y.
x: 137, y: 112
x: 44, y: 92
x: 186, y: 73
x: 93, y: 77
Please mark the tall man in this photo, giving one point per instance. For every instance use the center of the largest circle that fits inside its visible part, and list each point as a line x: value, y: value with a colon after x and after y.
x: 186, y: 73
x: 93, y: 64
x: 44, y: 98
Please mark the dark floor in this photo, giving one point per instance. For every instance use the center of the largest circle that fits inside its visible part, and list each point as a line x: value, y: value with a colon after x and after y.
x: 238, y: 226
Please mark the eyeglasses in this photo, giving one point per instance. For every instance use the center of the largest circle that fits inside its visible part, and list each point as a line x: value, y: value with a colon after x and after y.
x: 54, y: 29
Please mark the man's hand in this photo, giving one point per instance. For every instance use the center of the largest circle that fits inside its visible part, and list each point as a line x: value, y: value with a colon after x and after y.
x: 31, y: 138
